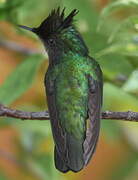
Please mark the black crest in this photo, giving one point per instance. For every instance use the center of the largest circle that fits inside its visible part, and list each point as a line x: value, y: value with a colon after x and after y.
x: 55, y: 22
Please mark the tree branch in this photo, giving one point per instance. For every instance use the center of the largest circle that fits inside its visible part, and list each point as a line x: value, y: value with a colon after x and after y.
x: 125, y: 116
x: 44, y: 115
x: 8, y: 112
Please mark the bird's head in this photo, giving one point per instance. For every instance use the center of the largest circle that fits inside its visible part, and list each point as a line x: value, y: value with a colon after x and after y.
x: 59, y: 34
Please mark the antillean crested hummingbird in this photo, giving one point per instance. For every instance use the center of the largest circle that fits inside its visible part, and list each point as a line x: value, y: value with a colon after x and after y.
x: 74, y: 89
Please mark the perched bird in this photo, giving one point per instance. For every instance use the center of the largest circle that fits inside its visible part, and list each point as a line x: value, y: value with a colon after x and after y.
x: 74, y: 90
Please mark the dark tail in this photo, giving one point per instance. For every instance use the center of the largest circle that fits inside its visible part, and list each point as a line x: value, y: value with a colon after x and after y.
x: 59, y: 163
x: 74, y: 158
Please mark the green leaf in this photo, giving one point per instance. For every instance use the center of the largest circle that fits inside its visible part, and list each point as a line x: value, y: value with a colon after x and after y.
x: 114, y: 65
x: 10, y: 7
x: 116, y: 5
x: 127, y: 24
x: 89, y: 16
x: 123, y: 48
x: 20, y: 11
x: 116, y: 99
x: 19, y: 80
x: 131, y: 85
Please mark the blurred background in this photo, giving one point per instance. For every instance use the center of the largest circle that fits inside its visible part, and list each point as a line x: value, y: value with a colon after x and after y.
x: 110, y: 29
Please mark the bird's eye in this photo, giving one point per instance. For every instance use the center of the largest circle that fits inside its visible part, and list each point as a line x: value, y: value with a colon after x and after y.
x: 51, y: 41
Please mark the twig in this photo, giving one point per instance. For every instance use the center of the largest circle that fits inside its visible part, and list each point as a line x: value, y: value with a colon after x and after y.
x: 125, y: 116
x: 44, y: 115
x: 8, y: 112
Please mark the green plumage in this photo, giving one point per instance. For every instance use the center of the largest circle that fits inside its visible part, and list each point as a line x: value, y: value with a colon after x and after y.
x: 74, y: 91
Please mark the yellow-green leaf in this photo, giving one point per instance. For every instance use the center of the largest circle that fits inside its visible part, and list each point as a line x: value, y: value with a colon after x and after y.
x: 19, y: 80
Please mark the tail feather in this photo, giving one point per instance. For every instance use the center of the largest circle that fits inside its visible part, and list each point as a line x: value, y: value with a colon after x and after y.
x: 59, y: 163
x: 74, y: 157
x: 75, y: 153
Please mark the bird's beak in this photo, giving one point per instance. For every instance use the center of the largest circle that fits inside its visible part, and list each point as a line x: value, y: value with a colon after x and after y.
x: 27, y: 28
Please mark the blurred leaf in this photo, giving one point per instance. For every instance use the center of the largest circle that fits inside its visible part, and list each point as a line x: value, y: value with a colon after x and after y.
x: 7, y: 10
x: 19, y: 80
x: 127, y: 49
x: 116, y: 99
x: 20, y: 11
x: 116, y: 5
x: 83, y: 15
x: 130, y: 22
x: 131, y: 85
x: 26, y: 14
x: 114, y: 65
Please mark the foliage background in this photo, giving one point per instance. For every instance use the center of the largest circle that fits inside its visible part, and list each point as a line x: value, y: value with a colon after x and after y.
x: 110, y: 29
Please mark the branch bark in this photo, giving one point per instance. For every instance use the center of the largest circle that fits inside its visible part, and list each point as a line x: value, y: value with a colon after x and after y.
x: 44, y: 115
x: 8, y: 112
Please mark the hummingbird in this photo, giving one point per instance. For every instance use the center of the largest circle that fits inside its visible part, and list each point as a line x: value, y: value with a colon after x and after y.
x: 74, y: 89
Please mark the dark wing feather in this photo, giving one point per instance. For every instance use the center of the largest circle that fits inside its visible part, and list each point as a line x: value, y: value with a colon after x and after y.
x: 94, y: 114
x: 58, y: 134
